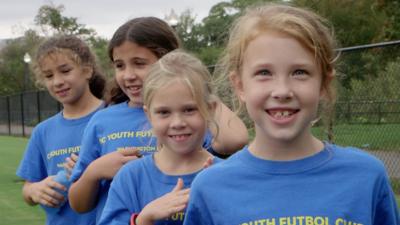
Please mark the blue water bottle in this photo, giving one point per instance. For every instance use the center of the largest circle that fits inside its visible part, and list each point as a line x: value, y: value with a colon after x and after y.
x: 61, y: 178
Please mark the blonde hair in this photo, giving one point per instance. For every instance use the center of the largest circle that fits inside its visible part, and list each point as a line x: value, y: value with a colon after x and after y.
x: 308, y: 28
x: 180, y: 66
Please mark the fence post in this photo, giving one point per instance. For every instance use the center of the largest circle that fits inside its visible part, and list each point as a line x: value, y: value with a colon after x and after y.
x: 8, y: 114
x: 22, y: 113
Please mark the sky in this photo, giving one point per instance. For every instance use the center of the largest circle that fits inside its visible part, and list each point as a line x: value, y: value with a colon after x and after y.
x: 105, y: 16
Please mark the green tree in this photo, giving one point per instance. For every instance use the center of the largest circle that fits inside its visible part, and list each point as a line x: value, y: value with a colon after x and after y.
x: 49, y: 17
x: 13, y: 68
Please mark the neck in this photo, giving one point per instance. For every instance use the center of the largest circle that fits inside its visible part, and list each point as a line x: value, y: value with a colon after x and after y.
x: 85, y: 105
x: 172, y: 163
x: 286, y: 150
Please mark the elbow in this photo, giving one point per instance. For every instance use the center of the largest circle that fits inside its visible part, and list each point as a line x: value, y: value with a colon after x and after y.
x: 230, y: 147
x: 76, y: 205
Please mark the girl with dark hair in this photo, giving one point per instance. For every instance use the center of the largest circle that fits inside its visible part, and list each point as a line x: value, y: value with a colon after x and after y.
x: 122, y: 132
x: 66, y: 67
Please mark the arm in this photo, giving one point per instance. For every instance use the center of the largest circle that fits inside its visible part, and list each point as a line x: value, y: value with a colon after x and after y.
x: 43, y: 192
x: 232, y: 133
x: 83, y: 194
x: 386, y: 209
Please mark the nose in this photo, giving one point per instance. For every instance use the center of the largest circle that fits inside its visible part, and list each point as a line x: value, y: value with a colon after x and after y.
x: 130, y: 73
x: 58, y: 80
x: 282, y: 89
x: 178, y: 122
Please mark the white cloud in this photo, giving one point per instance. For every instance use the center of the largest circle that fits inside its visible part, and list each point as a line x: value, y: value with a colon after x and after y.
x: 105, y: 16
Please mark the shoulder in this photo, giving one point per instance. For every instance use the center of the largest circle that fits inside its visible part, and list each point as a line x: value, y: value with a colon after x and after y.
x: 135, y: 167
x: 110, y: 109
x: 47, y: 124
x: 357, y: 158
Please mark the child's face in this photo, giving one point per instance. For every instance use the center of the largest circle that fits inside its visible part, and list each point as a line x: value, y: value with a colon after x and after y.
x: 280, y: 83
x: 176, y: 119
x: 131, y: 64
x: 65, y: 80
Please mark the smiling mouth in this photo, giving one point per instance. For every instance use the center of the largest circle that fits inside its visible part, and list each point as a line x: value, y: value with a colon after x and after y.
x: 62, y: 92
x: 180, y: 137
x: 134, y: 89
x: 282, y: 114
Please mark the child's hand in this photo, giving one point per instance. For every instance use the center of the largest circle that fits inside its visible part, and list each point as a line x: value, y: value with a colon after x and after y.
x: 208, y: 162
x: 165, y: 206
x: 108, y: 165
x: 70, y: 163
x: 44, y: 192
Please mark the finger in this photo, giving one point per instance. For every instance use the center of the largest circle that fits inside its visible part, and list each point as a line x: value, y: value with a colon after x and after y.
x: 184, y: 191
x: 129, y: 151
x: 69, y: 164
x: 74, y: 157
x: 54, y: 194
x: 51, y: 198
x: 177, y: 208
x: 208, y: 162
x: 129, y: 158
x: 178, y: 186
x: 55, y: 185
x: 47, y: 203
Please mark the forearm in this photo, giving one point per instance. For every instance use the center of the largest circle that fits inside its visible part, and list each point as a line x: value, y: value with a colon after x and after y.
x: 231, y: 134
x: 83, y: 193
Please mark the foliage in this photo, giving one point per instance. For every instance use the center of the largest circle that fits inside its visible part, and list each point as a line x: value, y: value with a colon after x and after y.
x: 14, y: 73
x: 49, y: 17
x: 12, y: 68
x: 355, y: 23
x: 99, y: 48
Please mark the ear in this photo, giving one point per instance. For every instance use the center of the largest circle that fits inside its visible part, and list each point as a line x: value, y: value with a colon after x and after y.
x: 237, y: 84
x: 328, y: 80
x: 87, y: 72
x: 212, y: 106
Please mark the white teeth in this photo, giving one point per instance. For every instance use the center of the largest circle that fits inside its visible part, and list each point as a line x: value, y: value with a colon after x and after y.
x: 281, y: 114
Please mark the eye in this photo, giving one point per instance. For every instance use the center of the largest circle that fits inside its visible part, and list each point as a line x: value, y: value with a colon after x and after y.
x: 300, y: 72
x: 65, y: 70
x: 190, y: 110
x: 140, y: 63
x: 118, y: 65
x: 162, y: 112
x: 263, y: 72
x: 48, y: 76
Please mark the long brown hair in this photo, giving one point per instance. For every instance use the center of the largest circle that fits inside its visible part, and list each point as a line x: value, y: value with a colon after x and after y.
x: 78, y: 51
x: 149, y: 32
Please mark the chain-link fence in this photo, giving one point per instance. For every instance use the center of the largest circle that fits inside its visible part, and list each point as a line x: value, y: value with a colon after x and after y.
x: 367, y: 113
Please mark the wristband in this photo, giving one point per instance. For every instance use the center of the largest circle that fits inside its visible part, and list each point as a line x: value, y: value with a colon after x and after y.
x: 133, y: 218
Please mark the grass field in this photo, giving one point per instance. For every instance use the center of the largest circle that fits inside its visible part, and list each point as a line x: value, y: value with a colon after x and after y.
x: 13, y: 209
x: 369, y: 137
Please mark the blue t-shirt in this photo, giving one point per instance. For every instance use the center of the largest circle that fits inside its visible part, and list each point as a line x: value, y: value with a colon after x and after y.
x: 337, y: 186
x: 137, y: 184
x: 52, y: 141
x: 116, y: 127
